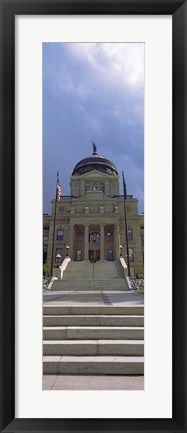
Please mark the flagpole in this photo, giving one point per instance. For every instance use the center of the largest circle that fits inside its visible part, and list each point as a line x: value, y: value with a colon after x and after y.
x: 126, y: 229
x: 54, y: 225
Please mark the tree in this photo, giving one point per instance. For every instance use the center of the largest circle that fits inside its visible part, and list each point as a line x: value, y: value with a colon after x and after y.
x: 46, y: 269
x: 139, y: 270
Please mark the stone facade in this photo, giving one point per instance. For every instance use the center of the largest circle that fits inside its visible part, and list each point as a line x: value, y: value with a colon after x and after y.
x: 91, y: 221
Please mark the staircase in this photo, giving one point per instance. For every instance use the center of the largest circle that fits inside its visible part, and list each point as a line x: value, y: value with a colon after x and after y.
x: 80, y: 338
x: 93, y: 340
x: 82, y: 270
x: 84, y: 275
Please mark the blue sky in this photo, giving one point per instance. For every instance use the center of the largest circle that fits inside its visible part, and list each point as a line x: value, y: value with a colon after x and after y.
x: 93, y: 91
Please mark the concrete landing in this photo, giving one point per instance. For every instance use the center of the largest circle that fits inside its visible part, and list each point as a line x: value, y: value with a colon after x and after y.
x: 97, y: 298
x: 108, y: 383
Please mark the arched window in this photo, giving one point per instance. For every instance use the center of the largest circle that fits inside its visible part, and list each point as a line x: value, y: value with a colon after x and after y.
x: 102, y: 187
x: 94, y: 186
x: 94, y: 237
x: 87, y: 187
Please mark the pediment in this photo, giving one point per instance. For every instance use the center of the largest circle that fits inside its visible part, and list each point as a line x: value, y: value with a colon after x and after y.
x: 94, y: 174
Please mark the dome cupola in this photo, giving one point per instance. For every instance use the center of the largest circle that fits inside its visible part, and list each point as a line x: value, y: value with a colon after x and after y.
x: 94, y: 162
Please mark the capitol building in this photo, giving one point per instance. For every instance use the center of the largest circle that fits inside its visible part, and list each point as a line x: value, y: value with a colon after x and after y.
x: 90, y: 223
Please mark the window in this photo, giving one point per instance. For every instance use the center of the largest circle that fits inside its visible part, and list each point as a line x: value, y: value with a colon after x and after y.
x: 87, y: 186
x: 60, y: 235
x: 58, y: 252
x: 130, y: 234
x: 94, y: 237
x: 102, y: 187
x: 45, y: 240
x: 131, y: 255
x: 94, y: 186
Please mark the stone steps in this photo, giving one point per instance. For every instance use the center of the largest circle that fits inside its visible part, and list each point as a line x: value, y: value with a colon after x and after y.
x: 91, y: 332
x: 104, y: 281
x: 85, y: 285
x: 85, y: 270
x: 84, y: 275
x: 92, y: 310
x: 94, y: 347
x: 92, y: 320
x: 89, y: 365
x: 93, y: 339
x: 102, y: 277
x: 78, y: 270
x: 79, y: 288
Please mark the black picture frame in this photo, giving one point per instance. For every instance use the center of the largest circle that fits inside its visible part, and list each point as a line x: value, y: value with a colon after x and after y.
x: 8, y: 10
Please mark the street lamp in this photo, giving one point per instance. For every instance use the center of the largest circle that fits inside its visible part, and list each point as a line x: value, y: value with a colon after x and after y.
x: 67, y: 250
x: 120, y: 248
x: 58, y: 259
x: 108, y: 235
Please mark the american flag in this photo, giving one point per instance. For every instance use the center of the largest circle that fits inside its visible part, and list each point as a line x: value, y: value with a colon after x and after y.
x: 58, y: 189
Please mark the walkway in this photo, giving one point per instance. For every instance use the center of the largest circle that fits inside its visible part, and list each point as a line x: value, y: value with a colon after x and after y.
x: 96, y: 298
x: 108, y: 383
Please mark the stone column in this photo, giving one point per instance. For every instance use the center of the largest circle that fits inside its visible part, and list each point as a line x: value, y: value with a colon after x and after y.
x: 71, y: 239
x: 86, y: 242
x: 102, y: 243
x: 117, y: 240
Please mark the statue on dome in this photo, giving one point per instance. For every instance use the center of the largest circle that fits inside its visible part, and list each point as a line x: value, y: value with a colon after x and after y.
x: 94, y: 147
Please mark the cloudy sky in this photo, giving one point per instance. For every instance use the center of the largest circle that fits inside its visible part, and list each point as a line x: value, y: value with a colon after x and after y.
x: 93, y: 91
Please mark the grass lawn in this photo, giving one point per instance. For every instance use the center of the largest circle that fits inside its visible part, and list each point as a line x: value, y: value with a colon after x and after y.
x: 141, y: 291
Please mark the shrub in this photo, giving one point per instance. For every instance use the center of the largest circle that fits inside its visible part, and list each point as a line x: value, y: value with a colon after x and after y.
x: 139, y: 270
x: 46, y: 269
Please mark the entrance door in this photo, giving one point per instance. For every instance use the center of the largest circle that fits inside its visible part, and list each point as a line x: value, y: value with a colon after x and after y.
x: 97, y: 254
x: 94, y: 255
x: 91, y: 256
x: 110, y: 255
x: 79, y: 255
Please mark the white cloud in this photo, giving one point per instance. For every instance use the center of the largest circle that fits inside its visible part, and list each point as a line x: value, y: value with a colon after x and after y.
x: 119, y: 63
